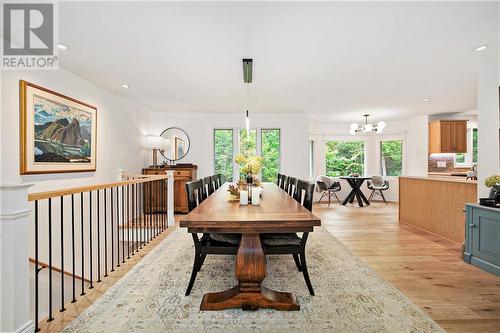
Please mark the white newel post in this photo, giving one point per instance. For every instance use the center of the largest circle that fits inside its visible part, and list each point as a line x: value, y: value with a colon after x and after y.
x: 170, y: 198
x: 14, y: 259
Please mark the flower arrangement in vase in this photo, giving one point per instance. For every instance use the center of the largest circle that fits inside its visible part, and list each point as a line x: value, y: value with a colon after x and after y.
x: 250, y: 166
x: 494, y: 183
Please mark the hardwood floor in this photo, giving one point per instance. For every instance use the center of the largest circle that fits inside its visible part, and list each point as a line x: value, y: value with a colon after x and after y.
x: 427, y: 269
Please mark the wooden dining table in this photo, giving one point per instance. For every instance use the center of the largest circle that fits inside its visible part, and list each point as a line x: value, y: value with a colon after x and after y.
x: 277, y: 213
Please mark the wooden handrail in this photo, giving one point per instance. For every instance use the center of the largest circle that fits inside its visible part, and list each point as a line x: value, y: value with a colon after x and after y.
x: 56, y: 269
x: 75, y: 190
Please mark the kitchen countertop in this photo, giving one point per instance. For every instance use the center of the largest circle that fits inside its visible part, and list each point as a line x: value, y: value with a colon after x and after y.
x: 450, y: 179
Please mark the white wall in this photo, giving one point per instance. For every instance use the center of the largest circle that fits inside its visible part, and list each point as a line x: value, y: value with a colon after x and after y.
x: 413, y: 132
x: 119, y: 147
x: 200, y: 126
x: 119, y: 138
x: 488, y: 83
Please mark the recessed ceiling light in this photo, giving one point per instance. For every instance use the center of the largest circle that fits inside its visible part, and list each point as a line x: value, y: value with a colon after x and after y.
x: 427, y: 99
x: 62, y: 46
x: 125, y: 86
x: 481, y: 48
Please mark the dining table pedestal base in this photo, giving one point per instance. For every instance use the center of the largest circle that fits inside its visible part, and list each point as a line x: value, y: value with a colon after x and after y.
x: 249, y: 294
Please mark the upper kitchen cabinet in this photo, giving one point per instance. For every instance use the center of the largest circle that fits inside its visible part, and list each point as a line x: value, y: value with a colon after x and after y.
x: 448, y: 136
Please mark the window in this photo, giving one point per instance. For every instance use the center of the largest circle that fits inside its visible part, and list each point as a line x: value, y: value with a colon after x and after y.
x: 248, y: 142
x: 270, y: 141
x: 391, y: 158
x: 470, y: 157
x: 229, y: 142
x: 223, y: 153
x: 345, y: 157
x: 312, y: 165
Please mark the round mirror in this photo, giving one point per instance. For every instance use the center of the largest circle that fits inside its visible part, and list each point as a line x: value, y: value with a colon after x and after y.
x: 176, y: 144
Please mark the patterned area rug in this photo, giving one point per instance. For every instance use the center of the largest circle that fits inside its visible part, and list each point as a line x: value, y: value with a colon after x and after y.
x: 350, y: 297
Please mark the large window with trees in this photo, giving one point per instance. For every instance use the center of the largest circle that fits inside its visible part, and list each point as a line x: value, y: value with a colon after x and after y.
x: 270, y: 141
x: 391, y: 158
x: 263, y: 142
x: 344, y: 157
x: 223, y: 153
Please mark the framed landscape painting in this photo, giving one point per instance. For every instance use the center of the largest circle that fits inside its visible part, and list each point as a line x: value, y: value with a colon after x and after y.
x: 57, y: 133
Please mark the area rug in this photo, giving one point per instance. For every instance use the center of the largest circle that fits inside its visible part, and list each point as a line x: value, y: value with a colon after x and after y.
x: 350, y: 297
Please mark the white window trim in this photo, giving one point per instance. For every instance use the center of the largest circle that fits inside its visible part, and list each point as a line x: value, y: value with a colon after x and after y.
x: 392, y: 137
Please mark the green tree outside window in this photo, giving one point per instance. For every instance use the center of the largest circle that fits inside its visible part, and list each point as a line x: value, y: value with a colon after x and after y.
x: 391, y: 158
x: 223, y: 153
x: 247, y: 144
x: 345, y: 157
x: 271, y: 154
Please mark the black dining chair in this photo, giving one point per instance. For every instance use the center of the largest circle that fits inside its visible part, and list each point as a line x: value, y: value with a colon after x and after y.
x: 278, y: 180
x: 217, y: 244
x: 208, y: 186
x: 283, y: 182
x: 329, y: 191
x: 291, y: 243
x: 217, y: 181
x: 291, y: 186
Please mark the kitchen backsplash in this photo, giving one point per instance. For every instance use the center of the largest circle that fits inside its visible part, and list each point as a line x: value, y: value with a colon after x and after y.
x: 446, y: 160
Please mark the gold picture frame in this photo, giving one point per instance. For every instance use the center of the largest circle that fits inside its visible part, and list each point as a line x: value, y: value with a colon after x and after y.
x: 58, y: 133
x: 180, y: 148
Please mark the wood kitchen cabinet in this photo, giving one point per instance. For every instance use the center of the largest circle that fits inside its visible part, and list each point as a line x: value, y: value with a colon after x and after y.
x: 182, y: 174
x: 448, y: 136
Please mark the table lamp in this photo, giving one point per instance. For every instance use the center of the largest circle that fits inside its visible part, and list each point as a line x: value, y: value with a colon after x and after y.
x: 154, y: 143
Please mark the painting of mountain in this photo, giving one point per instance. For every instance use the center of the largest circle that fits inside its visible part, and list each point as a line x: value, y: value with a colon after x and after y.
x: 58, y: 135
x: 60, y: 132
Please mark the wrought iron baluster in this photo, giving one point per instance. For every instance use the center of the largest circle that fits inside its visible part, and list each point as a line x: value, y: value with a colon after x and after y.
x: 36, y: 266
x: 105, y: 232
x: 117, y: 226
x: 90, y: 241
x: 123, y: 224
x: 62, y: 255
x: 112, y: 235
x: 83, y: 254
x: 73, y: 247
x: 128, y: 222
x: 50, y: 261
x: 98, y: 239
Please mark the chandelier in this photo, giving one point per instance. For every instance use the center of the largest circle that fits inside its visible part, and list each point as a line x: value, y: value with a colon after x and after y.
x: 366, y: 127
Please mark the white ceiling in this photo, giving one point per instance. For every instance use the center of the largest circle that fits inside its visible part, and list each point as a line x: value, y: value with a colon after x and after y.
x: 335, y: 61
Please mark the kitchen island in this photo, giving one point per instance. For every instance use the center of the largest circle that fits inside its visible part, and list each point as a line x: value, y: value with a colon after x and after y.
x: 436, y: 204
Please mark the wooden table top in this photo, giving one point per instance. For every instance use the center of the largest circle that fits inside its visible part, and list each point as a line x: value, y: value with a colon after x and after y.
x: 277, y: 213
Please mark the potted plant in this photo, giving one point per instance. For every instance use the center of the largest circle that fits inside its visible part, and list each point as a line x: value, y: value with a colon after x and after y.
x: 494, y: 183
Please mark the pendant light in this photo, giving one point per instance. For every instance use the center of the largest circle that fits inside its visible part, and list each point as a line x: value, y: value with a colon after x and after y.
x: 247, y: 78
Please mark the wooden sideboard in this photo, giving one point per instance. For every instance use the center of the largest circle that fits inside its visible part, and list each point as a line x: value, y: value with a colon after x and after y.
x: 182, y: 174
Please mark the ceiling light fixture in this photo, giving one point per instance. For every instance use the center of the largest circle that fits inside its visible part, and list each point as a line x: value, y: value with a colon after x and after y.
x: 427, y: 99
x: 481, y: 48
x: 62, y: 46
x: 125, y: 86
x: 367, y: 128
x: 247, y: 78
